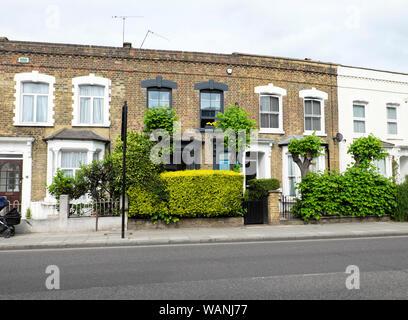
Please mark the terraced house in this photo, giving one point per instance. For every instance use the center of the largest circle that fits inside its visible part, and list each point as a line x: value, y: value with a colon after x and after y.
x: 61, y: 106
x: 374, y: 101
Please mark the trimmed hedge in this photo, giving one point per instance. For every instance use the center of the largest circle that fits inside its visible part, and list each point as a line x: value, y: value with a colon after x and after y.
x: 145, y: 203
x: 401, y: 212
x: 259, y: 188
x: 204, y: 193
x: 358, y: 192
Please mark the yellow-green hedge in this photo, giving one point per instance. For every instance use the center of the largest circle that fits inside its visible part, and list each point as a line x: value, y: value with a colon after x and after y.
x: 204, y: 193
x: 144, y: 203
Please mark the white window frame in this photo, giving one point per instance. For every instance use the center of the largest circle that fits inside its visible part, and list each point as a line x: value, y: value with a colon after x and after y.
x: 396, y: 106
x: 365, y: 105
x: 271, y: 90
x: 315, y: 94
x: 74, y: 170
x: 34, y: 77
x: 91, y: 80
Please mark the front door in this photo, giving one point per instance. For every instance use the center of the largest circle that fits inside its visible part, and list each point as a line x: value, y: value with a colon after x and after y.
x: 11, y: 179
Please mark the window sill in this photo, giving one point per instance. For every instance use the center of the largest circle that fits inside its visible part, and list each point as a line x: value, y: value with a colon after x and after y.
x: 392, y: 137
x: 33, y: 124
x: 90, y: 125
x: 319, y: 134
x: 271, y: 131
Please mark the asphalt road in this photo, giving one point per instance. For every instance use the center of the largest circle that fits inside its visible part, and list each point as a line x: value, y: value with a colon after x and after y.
x: 274, y: 270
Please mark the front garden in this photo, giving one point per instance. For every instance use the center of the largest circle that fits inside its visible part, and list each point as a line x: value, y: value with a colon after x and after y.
x: 157, y: 195
x: 360, y: 191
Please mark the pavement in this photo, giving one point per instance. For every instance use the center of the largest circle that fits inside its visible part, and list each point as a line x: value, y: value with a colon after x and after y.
x: 204, y: 235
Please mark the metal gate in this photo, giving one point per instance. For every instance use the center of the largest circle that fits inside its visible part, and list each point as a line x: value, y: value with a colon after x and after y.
x: 285, y: 205
x: 257, y: 211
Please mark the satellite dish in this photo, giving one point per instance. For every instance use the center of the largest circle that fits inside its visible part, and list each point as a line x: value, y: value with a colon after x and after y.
x: 338, y: 137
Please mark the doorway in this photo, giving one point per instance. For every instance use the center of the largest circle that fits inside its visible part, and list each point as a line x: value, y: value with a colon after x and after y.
x: 11, y: 180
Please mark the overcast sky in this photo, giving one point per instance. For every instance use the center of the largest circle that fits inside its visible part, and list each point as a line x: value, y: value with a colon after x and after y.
x: 366, y: 33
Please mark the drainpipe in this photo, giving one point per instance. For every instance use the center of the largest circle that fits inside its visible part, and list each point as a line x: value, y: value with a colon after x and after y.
x: 328, y: 157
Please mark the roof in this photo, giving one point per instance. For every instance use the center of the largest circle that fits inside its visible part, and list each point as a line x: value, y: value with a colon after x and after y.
x: 73, y: 134
x: 234, y: 58
x: 287, y: 140
x: 387, y: 144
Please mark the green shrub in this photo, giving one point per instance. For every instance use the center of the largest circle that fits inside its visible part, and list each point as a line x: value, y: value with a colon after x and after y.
x: 140, y: 170
x: 204, y: 193
x: 401, y: 211
x: 159, y: 118
x: 358, y: 192
x: 74, y: 187
x: 259, y: 188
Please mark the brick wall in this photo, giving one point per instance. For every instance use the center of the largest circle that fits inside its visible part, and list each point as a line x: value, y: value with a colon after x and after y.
x: 128, y: 67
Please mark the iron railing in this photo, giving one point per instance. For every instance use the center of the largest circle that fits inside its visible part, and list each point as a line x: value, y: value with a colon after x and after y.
x: 286, y: 204
x: 91, y: 208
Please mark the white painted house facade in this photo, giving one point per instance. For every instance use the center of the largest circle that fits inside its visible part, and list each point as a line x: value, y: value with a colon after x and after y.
x: 376, y: 102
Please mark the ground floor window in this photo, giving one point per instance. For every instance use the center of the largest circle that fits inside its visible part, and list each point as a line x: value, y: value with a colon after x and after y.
x: 181, y: 165
x: 381, y: 166
x: 291, y: 175
x: 71, y: 161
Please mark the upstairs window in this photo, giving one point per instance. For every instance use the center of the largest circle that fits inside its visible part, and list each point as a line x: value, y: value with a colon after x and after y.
x: 34, y: 105
x: 392, y: 123
x: 159, y: 92
x: 158, y: 97
x: 211, y: 100
x: 269, y: 112
x: 211, y: 103
x: 34, y: 102
x: 313, y: 115
x: 91, y: 102
x: 359, y: 118
x: 270, y: 108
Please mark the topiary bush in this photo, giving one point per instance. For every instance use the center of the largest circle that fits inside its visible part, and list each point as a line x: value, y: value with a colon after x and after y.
x: 358, y: 192
x: 204, y: 193
x: 259, y: 188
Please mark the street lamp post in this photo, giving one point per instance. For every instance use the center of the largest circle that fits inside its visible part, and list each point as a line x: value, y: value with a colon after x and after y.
x: 124, y: 139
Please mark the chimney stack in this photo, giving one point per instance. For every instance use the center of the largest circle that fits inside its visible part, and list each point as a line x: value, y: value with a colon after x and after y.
x: 127, y: 45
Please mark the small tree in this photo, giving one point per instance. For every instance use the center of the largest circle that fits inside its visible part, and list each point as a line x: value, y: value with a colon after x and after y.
x: 365, y: 150
x: 237, y: 120
x: 304, y: 151
x: 100, y: 178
